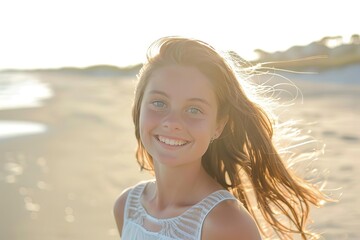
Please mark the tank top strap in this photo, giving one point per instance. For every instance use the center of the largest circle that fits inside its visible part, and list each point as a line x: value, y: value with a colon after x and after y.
x: 198, y: 213
x: 131, y: 210
x: 213, y: 200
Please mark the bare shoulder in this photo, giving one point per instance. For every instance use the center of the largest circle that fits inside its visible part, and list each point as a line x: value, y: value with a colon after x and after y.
x: 230, y: 221
x: 119, y: 207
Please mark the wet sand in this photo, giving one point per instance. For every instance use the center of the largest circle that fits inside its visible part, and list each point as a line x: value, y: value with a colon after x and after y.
x: 62, y: 184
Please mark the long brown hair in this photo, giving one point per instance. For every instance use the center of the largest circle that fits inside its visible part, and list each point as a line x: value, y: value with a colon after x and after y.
x: 243, y: 159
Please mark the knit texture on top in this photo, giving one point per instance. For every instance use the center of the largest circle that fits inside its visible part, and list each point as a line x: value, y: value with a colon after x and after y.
x: 186, y: 226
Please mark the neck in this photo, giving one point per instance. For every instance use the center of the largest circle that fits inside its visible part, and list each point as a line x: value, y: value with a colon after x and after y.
x: 182, y: 186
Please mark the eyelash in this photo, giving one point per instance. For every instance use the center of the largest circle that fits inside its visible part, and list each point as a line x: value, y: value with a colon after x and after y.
x: 163, y: 105
x: 194, y: 108
x: 157, y: 102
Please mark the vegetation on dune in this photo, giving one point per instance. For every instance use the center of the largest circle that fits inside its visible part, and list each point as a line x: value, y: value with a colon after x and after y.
x: 328, y: 52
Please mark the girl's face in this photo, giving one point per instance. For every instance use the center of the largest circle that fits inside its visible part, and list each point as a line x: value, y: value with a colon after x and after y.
x: 178, y: 115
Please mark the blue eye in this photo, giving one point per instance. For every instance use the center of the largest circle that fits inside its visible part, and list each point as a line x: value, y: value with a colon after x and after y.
x: 194, y: 110
x: 158, y: 104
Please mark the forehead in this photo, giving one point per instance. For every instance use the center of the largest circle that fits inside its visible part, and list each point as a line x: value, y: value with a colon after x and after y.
x: 180, y: 80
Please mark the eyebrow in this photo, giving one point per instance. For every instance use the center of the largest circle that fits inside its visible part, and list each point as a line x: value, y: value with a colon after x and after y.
x: 200, y: 100
x: 190, y: 100
x: 158, y: 92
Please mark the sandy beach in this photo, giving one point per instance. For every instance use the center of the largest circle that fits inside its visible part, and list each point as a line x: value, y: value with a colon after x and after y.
x: 61, y: 184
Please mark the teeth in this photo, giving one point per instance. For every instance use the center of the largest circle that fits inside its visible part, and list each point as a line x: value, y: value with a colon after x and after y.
x: 171, y: 142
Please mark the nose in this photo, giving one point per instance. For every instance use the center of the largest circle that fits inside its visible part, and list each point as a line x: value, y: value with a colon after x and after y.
x: 172, y: 121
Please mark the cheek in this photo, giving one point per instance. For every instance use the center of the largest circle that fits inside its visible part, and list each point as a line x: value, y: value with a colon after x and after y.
x: 200, y: 127
x: 148, y: 119
x: 205, y: 122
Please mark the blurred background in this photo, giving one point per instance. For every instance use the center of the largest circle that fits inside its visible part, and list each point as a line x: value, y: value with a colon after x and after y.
x: 67, y: 75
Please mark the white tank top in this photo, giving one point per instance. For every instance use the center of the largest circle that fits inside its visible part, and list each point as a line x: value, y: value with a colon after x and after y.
x: 187, y: 226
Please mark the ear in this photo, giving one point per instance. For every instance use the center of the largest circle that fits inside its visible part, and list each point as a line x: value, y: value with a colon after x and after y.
x: 221, y: 125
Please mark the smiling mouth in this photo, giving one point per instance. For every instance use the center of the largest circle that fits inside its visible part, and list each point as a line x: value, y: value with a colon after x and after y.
x: 171, y: 142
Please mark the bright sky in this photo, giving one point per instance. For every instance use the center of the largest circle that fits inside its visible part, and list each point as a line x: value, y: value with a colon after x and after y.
x: 56, y: 33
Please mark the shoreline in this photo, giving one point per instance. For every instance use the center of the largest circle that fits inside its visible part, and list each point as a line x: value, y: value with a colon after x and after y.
x: 12, y: 129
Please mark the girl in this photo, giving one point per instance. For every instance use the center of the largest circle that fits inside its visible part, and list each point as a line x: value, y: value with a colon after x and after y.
x: 217, y: 172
